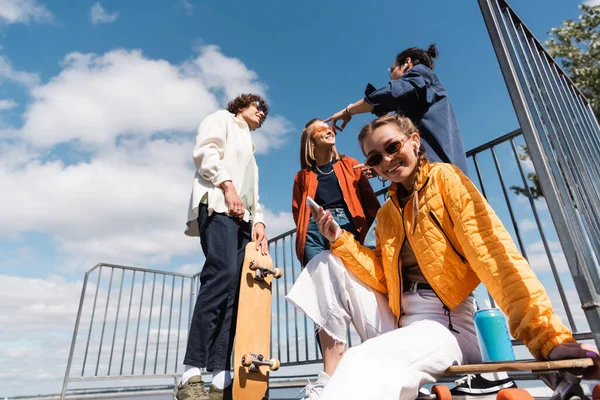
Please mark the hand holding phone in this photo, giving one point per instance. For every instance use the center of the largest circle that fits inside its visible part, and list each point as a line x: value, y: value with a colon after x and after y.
x: 315, y: 207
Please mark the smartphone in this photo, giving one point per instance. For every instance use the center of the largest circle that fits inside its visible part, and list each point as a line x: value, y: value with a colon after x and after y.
x: 313, y: 204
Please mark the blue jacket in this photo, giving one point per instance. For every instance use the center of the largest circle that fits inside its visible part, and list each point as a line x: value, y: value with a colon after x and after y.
x: 419, y: 95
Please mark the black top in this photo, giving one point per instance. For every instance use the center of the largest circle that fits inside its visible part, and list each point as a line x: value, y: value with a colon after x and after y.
x: 329, y: 193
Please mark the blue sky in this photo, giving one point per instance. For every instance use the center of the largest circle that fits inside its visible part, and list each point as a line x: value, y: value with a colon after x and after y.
x: 99, y: 103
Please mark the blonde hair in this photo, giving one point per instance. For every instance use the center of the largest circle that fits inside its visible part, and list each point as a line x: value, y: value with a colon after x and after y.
x: 406, y: 127
x: 307, y: 146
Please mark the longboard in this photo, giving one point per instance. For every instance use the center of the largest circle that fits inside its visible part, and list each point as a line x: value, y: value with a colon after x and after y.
x: 252, y: 347
x: 562, y: 376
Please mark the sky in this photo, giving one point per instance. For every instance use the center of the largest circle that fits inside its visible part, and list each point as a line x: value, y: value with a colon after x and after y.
x: 100, y: 101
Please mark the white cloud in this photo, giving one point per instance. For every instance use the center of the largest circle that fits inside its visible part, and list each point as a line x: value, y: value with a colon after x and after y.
x: 536, y: 255
x: 527, y: 225
x: 126, y: 205
x: 98, y: 15
x: 7, y: 104
x: 36, y: 315
x: 278, y: 222
x: 188, y: 7
x: 96, y: 98
x: 591, y: 3
x: 23, y: 11
x: 126, y: 202
x: 7, y: 72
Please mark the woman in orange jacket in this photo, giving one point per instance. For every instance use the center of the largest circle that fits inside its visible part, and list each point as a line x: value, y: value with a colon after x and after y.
x: 437, y: 239
x: 334, y: 181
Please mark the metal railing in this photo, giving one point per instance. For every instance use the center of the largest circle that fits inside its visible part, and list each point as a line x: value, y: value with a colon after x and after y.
x: 563, y: 139
x: 131, y: 323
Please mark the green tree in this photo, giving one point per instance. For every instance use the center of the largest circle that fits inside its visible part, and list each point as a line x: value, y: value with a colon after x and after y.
x: 576, y: 46
x: 534, y: 189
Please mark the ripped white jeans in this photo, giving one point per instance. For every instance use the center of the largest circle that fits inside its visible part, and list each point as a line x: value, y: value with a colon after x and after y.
x: 392, y: 363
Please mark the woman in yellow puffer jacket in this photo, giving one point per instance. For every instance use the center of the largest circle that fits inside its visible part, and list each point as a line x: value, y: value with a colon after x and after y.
x: 437, y: 239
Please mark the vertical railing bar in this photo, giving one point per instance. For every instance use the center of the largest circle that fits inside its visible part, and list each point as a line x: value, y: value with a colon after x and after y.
x: 478, y: 171
x: 305, y: 322
x: 91, y: 321
x: 508, y: 203
x: 75, y: 332
x: 273, y: 304
x: 278, y: 301
x: 170, y: 319
x: 179, y: 323
x: 287, y: 322
x: 316, y: 335
x: 162, y: 300
x: 116, y: 321
x: 295, y: 309
x: 192, y: 301
x: 349, y: 338
x: 127, y: 324
x: 149, y: 322
x: 137, y: 330
x: 112, y: 270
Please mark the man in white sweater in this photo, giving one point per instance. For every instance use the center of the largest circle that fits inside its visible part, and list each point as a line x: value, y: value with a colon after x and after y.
x: 224, y: 211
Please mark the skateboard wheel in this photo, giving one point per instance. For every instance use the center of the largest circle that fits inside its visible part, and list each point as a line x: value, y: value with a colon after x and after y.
x: 274, y: 364
x: 253, y: 266
x: 596, y: 392
x: 247, y: 360
x: 514, y: 394
x: 277, y: 273
x: 441, y: 392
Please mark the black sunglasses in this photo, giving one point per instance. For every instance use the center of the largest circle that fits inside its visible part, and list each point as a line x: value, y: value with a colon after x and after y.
x: 259, y: 106
x: 390, y: 149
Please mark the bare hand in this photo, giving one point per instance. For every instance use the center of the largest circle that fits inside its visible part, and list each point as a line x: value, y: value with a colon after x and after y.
x: 259, y: 237
x: 367, y: 171
x: 578, y: 350
x: 233, y: 200
x: 324, y: 220
x: 339, y: 116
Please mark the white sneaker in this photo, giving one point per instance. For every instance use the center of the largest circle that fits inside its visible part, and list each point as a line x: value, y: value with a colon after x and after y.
x: 313, y: 391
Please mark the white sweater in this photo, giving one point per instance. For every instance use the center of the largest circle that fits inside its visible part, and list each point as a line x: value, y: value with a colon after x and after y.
x: 224, y: 151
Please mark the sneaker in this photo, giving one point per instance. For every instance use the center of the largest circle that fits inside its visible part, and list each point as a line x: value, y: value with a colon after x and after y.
x: 220, y: 394
x: 192, y: 390
x: 313, y: 391
x: 476, y: 386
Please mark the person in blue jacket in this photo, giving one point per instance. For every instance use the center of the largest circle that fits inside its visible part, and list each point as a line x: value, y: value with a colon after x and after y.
x: 416, y: 92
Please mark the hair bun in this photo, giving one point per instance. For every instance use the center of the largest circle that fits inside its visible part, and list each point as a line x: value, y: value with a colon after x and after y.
x: 432, y: 51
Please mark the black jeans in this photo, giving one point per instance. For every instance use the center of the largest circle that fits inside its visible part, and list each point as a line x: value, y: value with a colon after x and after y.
x: 210, y: 341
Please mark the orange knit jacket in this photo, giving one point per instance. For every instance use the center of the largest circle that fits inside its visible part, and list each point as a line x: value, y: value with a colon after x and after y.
x: 356, y: 190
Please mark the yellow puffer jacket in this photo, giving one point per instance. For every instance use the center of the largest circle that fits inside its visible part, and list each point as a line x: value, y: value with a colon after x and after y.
x: 459, y: 242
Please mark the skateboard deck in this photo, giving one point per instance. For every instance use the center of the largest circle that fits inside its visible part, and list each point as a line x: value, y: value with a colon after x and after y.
x: 507, y: 366
x: 252, y: 347
x: 562, y: 376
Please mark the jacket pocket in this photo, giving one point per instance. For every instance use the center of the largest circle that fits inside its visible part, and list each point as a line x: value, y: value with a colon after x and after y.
x: 439, y: 225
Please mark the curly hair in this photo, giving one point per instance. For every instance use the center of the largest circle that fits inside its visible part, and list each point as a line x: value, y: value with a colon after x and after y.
x: 244, y: 101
